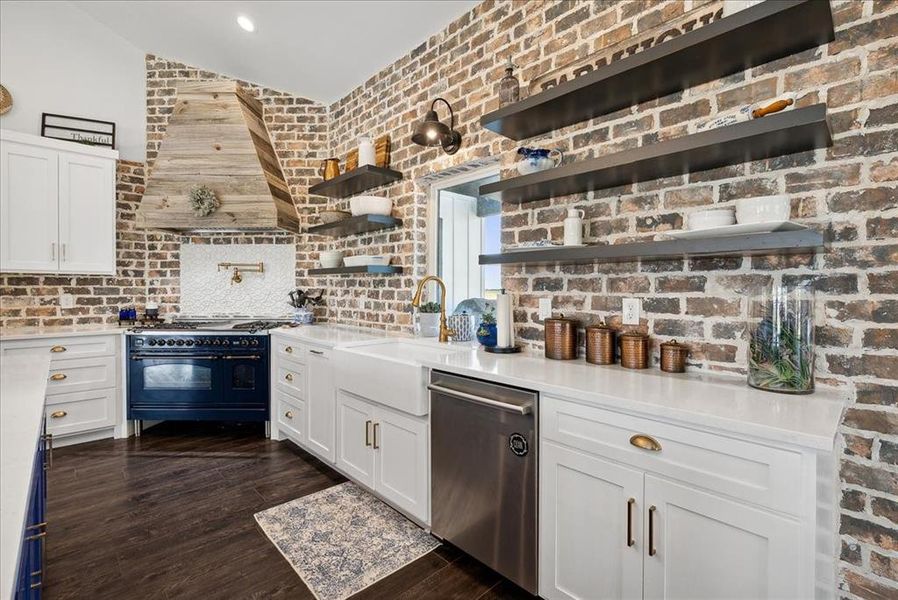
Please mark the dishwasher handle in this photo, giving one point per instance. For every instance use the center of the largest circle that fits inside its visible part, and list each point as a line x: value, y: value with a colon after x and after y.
x: 523, y: 409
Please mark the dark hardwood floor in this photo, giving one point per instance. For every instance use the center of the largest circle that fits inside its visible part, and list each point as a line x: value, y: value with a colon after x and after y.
x: 170, y: 515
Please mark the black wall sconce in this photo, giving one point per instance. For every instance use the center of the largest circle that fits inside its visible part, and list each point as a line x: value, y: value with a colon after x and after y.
x: 432, y: 132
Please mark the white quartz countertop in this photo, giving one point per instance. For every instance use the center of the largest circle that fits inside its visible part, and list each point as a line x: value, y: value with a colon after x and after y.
x: 334, y: 335
x: 23, y: 383
x: 716, y: 401
x: 24, y: 333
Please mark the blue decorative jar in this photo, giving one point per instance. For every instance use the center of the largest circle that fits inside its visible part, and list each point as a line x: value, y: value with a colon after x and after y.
x: 486, y: 334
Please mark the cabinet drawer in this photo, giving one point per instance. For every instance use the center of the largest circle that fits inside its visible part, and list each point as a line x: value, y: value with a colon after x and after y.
x: 80, y: 411
x: 81, y: 375
x: 65, y: 348
x: 748, y: 471
x: 291, y: 416
x: 288, y: 349
x: 291, y: 378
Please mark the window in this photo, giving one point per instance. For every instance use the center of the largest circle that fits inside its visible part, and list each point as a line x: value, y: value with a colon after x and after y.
x: 467, y: 225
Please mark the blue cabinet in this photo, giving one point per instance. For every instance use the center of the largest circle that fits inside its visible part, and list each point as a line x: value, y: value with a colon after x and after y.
x: 31, y: 558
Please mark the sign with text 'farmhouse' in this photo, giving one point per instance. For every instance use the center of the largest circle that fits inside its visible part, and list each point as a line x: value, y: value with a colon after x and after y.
x: 684, y: 23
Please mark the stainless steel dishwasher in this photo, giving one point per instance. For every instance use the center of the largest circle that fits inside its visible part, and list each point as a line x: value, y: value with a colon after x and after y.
x: 484, y: 473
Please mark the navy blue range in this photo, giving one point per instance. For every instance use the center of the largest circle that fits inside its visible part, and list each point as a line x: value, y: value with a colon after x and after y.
x: 198, y: 376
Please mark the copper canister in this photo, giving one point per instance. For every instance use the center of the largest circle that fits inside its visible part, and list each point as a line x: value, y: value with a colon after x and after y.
x: 561, y: 338
x: 600, y: 345
x: 634, y: 350
x: 673, y: 356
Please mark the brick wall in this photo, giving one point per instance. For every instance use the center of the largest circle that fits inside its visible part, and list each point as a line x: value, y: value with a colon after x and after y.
x: 848, y: 190
x: 33, y: 300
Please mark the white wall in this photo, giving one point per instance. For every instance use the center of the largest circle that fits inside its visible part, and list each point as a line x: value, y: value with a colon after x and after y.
x: 55, y: 58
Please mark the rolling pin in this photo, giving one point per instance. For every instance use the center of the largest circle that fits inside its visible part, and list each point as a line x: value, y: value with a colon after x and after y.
x: 771, y: 108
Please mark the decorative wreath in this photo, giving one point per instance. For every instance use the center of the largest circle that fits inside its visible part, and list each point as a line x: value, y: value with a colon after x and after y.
x: 203, y: 201
x: 5, y: 100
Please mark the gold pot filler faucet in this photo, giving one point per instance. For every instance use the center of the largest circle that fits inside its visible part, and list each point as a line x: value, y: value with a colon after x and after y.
x: 445, y: 332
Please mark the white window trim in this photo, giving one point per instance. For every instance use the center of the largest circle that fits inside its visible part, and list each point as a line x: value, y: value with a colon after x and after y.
x: 433, y: 204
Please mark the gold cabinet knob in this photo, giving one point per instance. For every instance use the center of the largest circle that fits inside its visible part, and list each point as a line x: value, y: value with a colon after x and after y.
x: 57, y: 376
x: 645, y: 442
x: 289, y: 349
x: 289, y: 414
x: 57, y: 349
x: 289, y: 376
x: 58, y: 414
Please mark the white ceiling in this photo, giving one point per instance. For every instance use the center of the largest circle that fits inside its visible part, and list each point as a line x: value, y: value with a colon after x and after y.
x: 317, y: 49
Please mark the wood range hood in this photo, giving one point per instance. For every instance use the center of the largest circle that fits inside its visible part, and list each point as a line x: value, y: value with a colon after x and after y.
x: 216, y: 137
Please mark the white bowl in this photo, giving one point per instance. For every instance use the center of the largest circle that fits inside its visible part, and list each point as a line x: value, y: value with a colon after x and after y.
x: 763, y: 209
x: 330, y: 259
x: 370, y: 205
x: 705, y: 219
x: 363, y: 260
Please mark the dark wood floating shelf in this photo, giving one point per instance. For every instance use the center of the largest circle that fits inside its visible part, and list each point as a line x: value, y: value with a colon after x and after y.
x: 356, y: 225
x: 782, y: 133
x: 804, y: 241
x: 355, y: 182
x: 372, y: 269
x: 751, y: 37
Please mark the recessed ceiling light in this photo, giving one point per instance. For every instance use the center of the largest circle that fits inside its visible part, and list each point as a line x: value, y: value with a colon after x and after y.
x: 245, y: 23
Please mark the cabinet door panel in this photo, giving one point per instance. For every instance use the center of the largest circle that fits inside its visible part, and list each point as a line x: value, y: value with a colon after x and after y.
x: 355, y: 453
x: 709, y: 547
x: 28, y: 208
x: 584, y: 545
x: 320, y: 404
x: 401, y: 471
x: 86, y: 214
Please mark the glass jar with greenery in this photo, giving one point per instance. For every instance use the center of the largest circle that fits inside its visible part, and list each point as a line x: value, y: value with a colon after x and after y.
x: 781, y: 339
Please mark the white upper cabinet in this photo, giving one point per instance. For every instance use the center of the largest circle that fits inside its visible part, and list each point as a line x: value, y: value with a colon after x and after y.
x: 57, y: 206
x: 28, y: 208
x: 86, y: 215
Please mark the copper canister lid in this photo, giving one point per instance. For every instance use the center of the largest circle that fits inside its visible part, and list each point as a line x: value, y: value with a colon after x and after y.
x: 634, y: 335
x: 674, y: 345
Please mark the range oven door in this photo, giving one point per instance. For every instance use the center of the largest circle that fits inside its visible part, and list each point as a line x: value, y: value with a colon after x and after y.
x: 245, y: 382
x: 161, y: 384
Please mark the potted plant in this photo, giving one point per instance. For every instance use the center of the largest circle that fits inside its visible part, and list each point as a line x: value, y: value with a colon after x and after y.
x: 429, y: 319
x: 486, y: 333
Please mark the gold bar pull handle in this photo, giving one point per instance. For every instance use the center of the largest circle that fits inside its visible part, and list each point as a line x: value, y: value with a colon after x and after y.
x: 376, y: 425
x: 56, y: 349
x: 36, y: 536
x: 630, y: 540
x: 652, y: 551
x: 367, y: 433
x: 57, y: 376
x: 645, y: 442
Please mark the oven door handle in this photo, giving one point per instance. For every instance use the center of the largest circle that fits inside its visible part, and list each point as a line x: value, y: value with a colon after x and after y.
x: 241, y: 357
x: 184, y: 356
x: 524, y: 409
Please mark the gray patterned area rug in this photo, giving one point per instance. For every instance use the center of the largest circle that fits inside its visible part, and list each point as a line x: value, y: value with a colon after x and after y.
x: 343, y: 539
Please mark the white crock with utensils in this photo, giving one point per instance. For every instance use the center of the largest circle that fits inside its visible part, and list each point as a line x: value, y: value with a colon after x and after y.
x: 573, y: 227
x: 367, y: 155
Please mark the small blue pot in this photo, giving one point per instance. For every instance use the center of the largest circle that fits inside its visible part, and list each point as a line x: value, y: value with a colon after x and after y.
x: 486, y: 334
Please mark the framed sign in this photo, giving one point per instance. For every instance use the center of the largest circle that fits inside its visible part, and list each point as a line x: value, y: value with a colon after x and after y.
x: 77, y: 129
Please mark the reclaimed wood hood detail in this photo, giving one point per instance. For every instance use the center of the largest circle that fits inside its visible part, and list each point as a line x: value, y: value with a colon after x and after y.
x: 216, y: 137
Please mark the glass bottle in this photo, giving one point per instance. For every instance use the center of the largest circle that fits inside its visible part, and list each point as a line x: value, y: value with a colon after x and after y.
x: 781, y: 339
x: 509, y: 87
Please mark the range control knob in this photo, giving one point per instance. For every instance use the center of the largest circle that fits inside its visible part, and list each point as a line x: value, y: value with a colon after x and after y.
x: 170, y: 342
x: 226, y: 342
x: 254, y: 342
x: 180, y: 342
x: 188, y: 342
x: 152, y: 342
x: 216, y: 342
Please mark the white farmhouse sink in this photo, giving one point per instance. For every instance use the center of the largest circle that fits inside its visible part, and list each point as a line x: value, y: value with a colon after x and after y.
x: 390, y: 372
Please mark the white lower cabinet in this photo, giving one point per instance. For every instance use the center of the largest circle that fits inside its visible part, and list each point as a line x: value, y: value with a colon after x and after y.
x: 320, y: 403
x: 701, y: 545
x: 590, y: 527
x: 291, y: 416
x: 614, y: 530
x: 355, y: 457
x: 385, y: 450
x: 83, y: 399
